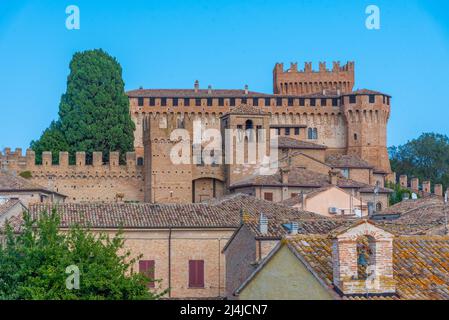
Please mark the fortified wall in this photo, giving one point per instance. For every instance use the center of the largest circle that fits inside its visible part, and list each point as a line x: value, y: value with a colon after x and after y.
x: 96, y: 182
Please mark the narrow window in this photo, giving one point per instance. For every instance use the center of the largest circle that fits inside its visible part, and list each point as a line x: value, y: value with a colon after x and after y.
x: 220, y: 102
x: 355, y: 136
x: 312, y: 102
x: 198, y: 102
x: 279, y: 102
x: 209, y: 102
x: 232, y: 102
x: 140, y: 161
x: 152, y: 102
x: 323, y: 102
x: 186, y: 102
x: 256, y: 102
x: 163, y: 102
x: 310, y: 133
x: 352, y: 99
x: 196, y: 273
x: 297, y: 131
x: 372, y: 98
x: 290, y: 102
x: 244, y: 100
x: 267, y: 101
x: 302, y: 102
x: 345, y: 172
x: 146, y: 267
x: 315, y: 133
x: 287, y: 131
x: 140, y: 101
x: 175, y: 102
x: 335, y: 102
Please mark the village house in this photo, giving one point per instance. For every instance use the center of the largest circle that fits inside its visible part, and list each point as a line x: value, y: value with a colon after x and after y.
x: 16, y: 187
x: 330, y: 201
x: 292, y: 182
x: 359, y: 261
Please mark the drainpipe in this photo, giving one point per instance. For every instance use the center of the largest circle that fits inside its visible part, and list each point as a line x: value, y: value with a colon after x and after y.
x: 169, y: 262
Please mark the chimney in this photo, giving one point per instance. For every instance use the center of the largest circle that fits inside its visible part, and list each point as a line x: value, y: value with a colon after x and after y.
x: 426, y: 186
x: 403, y: 181
x: 246, y: 89
x: 414, y: 184
x: 333, y: 177
x: 263, y: 224
x: 209, y: 89
x: 438, y: 189
x: 284, y: 175
x: 197, y: 86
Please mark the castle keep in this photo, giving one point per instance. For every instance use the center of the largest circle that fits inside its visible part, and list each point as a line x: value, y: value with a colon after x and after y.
x: 316, y: 113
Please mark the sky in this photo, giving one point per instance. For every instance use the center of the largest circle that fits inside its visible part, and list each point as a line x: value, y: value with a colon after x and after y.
x: 226, y: 44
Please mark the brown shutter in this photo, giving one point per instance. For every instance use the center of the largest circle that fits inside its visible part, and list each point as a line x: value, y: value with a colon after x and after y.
x: 147, y: 267
x: 196, y: 273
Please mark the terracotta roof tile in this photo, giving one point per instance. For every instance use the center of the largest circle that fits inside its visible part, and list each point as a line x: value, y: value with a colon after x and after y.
x: 301, y: 177
x: 347, y: 161
x: 290, y: 143
x: 420, y: 264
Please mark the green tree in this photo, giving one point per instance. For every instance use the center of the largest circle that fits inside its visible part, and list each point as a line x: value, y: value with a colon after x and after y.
x: 33, y: 264
x: 426, y: 158
x: 94, y: 111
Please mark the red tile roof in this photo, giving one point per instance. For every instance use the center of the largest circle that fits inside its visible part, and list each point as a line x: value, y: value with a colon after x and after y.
x: 347, y: 161
x: 291, y: 143
x: 420, y: 264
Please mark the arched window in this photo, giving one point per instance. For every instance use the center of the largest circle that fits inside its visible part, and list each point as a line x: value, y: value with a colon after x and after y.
x: 249, y: 129
x: 355, y: 136
x: 366, y: 247
x: 378, y: 206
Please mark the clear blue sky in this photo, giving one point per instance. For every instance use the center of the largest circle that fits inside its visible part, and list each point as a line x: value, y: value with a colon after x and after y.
x: 169, y: 44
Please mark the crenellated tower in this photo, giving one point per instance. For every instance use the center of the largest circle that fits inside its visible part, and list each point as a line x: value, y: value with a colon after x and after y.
x: 308, y: 81
x: 367, y: 113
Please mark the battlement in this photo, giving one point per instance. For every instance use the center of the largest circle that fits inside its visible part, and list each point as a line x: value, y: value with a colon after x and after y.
x: 307, y: 80
x: 16, y: 161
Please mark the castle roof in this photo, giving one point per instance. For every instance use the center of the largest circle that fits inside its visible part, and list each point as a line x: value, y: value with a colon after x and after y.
x: 246, y: 109
x: 347, y: 161
x: 365, y: 92
x: 192, y: 93
x: 290, y: 143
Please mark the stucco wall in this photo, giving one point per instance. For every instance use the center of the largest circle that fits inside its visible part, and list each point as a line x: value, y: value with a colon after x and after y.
x: 284, y: 277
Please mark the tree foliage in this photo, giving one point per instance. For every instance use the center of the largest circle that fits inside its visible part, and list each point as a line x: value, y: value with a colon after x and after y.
x: 398, y: 193
x: 426, y: 158
x: 33, y: 264
x: 94, y: 111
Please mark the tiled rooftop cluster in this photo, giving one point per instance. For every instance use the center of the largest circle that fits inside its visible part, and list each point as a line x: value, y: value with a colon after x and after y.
x: 420, y: 264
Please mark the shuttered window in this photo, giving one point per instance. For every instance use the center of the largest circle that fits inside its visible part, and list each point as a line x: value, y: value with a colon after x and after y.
x: 268, y: 196
x: 147, y: 268
x: 196, y: 273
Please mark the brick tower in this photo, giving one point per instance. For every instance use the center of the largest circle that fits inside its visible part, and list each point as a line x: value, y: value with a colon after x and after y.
x: 367, y: 114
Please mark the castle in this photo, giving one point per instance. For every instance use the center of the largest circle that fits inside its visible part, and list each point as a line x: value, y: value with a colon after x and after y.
x: 317, y: 113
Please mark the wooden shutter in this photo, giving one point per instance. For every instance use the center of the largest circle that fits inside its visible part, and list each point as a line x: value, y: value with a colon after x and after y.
x: 196, y: 273
x: 268, y: 196
x: 147, y: 267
